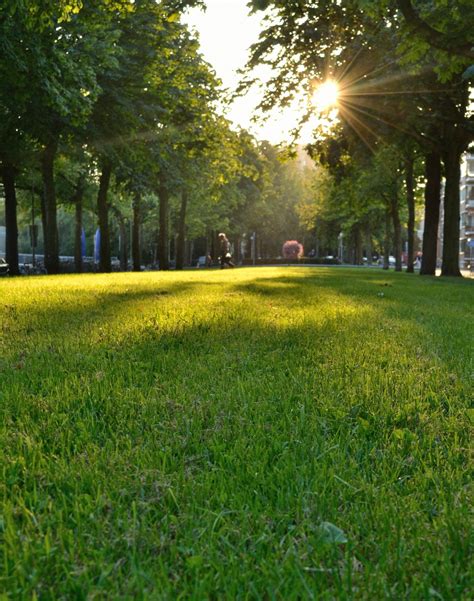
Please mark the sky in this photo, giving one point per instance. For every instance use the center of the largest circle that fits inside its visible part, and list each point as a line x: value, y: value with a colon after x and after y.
x: 226, y: 32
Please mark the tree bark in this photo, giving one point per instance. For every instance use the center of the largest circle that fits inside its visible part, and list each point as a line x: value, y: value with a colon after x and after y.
x: 78, y: 197
x: 432, y: 205
x: 181, y: 232
x: 50, y: 233
x: 11, y: 224
x: 136, y: 246
x: 452, y: 165
x: 410, y: 190
x: 105, y: 265
x: 163, y: 241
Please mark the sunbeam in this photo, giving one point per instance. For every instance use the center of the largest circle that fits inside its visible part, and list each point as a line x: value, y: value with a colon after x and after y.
x: 351, y: 106
x: 356, y: 124
x: 326, y: 95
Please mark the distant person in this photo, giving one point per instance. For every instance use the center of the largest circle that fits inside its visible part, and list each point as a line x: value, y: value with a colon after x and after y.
x: 224, y: 251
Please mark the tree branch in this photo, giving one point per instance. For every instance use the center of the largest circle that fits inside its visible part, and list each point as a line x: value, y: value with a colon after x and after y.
x: 435, y: 38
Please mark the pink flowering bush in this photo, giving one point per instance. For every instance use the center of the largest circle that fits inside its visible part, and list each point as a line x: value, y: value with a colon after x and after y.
x: 292, y: 249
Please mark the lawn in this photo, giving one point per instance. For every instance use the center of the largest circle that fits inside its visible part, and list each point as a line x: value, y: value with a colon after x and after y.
x: 273, y: 433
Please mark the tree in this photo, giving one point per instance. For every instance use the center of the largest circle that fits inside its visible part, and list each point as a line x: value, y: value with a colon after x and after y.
x: 54, y: 87
x: 360, y: 46
x: 456, y: 39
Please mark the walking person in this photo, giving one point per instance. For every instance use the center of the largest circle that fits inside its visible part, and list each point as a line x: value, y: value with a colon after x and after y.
x: 224, y: 251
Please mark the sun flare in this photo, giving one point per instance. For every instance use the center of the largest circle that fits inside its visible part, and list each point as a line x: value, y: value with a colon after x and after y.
x: 326, y: 95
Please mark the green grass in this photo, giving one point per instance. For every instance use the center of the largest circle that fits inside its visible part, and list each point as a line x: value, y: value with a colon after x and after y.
x: 188, y: 435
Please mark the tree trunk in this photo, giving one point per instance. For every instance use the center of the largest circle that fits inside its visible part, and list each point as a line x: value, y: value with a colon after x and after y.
x: 136, y: 246
x: 432, y: 205
x: 163, y: 242
x: 172, y: 248
x: 358, y: 244
x: 409, y: 182
x: 78, y: 196
x: 123, y: 238
x: 11, y: 224
x: 209, y: 249
x: 50, y: 233
x: 368, y: 242
x: 452, y: 165
x: 397, y: 229
x: 156, y: 246
x: 123, y: 243
x: 43, y: 222
x: 181, y: 232
x: 386, y: 244
x: 237, y: 258
x: 105, y: 265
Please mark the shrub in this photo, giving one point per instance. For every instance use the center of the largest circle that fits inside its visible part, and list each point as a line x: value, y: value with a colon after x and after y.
x: 292, y: 249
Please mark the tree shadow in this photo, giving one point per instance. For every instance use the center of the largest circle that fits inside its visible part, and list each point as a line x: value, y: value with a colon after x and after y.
x: 439, y: 310
x: 231, y: 427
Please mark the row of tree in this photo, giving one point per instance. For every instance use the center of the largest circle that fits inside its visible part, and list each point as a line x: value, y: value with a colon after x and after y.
x: 117, y: 91
x: 108, y: 109
x: 404, y: 73
x: 264, y: 192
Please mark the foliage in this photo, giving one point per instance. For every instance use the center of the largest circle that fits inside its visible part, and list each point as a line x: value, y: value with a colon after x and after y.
x: 403, y: 80
x: 292, y: 249
x: 439, y: 28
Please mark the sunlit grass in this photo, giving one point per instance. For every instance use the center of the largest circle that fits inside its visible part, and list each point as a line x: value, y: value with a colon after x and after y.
x: 189, y: 435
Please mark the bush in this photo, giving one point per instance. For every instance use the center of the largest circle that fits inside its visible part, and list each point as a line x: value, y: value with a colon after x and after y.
x: 300, y: 261
x: 292, y: 249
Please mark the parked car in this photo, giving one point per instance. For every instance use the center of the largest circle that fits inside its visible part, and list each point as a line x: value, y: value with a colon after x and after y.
x: 3, y: 267
x: 30, y: 269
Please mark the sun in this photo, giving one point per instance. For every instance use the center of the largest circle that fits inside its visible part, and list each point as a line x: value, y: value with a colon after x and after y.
x: 326, y: 95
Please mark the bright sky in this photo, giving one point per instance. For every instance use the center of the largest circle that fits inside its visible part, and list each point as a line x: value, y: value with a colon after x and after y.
x: 226, y: 32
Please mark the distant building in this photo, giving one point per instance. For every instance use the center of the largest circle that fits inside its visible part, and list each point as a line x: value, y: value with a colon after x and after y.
x: 466, y: 230
x: 466, y: 233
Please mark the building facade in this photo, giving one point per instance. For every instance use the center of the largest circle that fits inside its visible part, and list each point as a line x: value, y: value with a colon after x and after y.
x: 466, y: 234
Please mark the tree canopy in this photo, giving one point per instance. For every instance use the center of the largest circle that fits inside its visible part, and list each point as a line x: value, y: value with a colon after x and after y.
x: 111, y: 120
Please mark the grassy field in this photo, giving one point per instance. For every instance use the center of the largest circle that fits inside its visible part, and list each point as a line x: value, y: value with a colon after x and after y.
x: 252, y: 434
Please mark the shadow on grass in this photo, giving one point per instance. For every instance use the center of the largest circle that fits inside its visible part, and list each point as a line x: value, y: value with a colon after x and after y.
x: 218, y: 443
x: 439, y: 310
